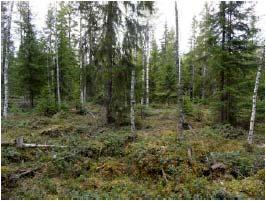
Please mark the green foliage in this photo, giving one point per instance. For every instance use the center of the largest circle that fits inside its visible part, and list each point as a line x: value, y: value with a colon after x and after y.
x: 105, y: 162
x: 228, y: 131
x: 230, y: 61
x: 240, y: 165
x: 188, y: 106
x: 14, y: 109
x: 199, y: 188
x: 46, y: 104
x: 30, y: 61
x: 221, y: 194
x: 10, y: 155
x: 163, y: 84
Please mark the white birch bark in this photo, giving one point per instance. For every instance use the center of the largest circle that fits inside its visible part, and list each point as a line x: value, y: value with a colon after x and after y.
x: 84, y: 77
x: 6, y: 65
x: 143, y: 99
x: 254, y: 101
x: 147, y: 65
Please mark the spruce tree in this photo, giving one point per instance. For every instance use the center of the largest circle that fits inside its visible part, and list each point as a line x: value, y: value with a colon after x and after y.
x: 30, y: 60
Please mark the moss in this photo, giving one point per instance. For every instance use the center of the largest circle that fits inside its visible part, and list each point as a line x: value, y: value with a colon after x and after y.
x: 251, y: 187
x: 112, y: 168
x: 260, y: 175
x: 104, y: 163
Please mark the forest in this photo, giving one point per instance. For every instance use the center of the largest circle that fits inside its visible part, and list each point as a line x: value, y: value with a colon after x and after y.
x: 94, y: 106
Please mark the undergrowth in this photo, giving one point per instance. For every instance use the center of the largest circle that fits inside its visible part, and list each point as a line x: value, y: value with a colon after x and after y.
x: 102, y: 162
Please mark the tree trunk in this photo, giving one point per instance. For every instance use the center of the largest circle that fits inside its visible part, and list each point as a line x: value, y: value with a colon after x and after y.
x: 85, y: 60
x: 109, y: 117
x: 254, y: 101
x: 57, y: 67
x: 203, y: 81
x: 132, y: 102
x: 147, y: 64
x: 48, y: 71
x: 81, y: 62
x: 147, y: 85
x: 144, y: 76
x: 222, y: 76
x: 3, y: 52
x: 143, y: 98
x: 6, y: 89
x: 192, y: 70
x: 179, y: 87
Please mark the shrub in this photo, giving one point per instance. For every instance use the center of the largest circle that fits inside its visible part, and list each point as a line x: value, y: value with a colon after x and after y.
x: 188, y: 106
x: 198, y: 114
x: 14, y: 109
x: 222, y: 194
x: 239, y: 165
x: 10, y: 154
x: 199, y: 188
x: 46, y: 105
x: 228, y: 131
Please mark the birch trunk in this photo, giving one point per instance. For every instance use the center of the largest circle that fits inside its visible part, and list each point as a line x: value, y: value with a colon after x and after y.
x: 85, y: 74
x: 179, y: 87
x: 147, y: 85
x: 147, y: 65
x: 57, y: 66
x: 143, y: 99
x: 254, y: 101
x: 6, y: 64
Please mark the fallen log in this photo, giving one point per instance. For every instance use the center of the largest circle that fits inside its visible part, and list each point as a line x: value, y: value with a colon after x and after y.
x: 23, y: 173
x: 42, y: 145
x: 19, y: 142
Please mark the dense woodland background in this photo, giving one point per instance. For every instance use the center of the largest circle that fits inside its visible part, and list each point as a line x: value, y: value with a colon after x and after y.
x: 97, y: 65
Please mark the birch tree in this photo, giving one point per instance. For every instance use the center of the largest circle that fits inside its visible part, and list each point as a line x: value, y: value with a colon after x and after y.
x: 6, y: 51
x: 147, y: 53
x: 145, y: 61
x: 254, y: 101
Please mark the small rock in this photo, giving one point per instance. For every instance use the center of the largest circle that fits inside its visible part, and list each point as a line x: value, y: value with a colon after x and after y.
x: 218, y: 166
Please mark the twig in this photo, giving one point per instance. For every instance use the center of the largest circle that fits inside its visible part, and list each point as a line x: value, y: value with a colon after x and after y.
x: 164, y: 175
x: 92, y: 114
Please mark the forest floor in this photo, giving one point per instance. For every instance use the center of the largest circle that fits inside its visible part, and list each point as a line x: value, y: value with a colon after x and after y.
x: 102, y: 162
